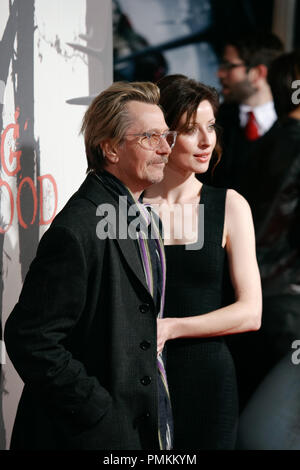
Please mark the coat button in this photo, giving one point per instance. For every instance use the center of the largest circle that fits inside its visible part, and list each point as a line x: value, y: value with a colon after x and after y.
x: 145, y: 345
x: 146, y: 380
x: 144, y: 308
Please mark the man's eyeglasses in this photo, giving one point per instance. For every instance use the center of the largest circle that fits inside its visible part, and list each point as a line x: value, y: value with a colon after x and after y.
x: 230, y: 65
x: 151, y: 140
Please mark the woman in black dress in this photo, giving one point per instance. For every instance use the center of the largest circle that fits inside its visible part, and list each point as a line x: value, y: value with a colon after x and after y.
x: 206, y: 230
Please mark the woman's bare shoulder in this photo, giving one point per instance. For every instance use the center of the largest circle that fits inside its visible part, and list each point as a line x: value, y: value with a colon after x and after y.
x: 236, y: 203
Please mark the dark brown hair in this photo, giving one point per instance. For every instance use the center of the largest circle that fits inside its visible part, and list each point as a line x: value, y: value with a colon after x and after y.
x: 180, y: 94
x: 257, y: 48
x: 107, y: 117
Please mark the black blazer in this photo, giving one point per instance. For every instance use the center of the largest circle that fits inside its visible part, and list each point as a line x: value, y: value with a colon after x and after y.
x: 236, y: 151
x: 83, y: 338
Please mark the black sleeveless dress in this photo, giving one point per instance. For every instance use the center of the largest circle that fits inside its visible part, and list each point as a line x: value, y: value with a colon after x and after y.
x: 200, y: 371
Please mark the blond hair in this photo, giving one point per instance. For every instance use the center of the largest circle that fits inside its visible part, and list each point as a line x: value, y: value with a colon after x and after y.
x: 107, y: 117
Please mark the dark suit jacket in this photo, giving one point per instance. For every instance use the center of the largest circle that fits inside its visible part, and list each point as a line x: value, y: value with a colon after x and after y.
x: 236, y: 151
x: 83, y: 338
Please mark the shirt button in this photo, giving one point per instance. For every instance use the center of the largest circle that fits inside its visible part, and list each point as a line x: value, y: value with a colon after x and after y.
x: 144, y: 308
x: 146, y: 380
x: 145, y: 345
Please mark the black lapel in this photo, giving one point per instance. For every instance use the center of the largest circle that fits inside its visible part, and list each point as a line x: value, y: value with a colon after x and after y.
x: 93, y: 190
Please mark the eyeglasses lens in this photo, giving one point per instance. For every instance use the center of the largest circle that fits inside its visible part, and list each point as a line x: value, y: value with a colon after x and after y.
x: 171, y: 138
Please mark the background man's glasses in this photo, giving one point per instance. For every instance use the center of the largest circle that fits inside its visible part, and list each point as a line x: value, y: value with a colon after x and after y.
x: 152, y: 141
x: 230, y: 65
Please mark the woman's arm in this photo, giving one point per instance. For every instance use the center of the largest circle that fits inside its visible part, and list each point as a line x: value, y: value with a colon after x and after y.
x: 245, y: 313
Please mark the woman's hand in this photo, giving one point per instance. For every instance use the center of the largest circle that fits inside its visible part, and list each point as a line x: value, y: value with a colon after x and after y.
x: 165, y: 331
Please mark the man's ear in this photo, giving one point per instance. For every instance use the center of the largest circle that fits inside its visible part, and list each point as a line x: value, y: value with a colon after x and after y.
x: 109, y: 151
x: 258, y: 72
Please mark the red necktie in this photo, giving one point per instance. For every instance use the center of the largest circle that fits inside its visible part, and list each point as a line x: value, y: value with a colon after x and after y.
x: 251, y: 129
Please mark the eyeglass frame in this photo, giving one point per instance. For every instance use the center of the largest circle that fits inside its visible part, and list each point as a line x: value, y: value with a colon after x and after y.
x: 150, y: 134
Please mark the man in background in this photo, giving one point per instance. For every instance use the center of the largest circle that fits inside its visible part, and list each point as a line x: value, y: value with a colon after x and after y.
x: 248, y: 110
x: 273, y: 192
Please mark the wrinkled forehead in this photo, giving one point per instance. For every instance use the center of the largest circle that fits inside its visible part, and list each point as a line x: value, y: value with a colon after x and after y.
x: 144, y: 117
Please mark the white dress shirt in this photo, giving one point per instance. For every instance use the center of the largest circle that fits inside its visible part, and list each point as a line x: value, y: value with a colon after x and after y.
x: 265, y: 116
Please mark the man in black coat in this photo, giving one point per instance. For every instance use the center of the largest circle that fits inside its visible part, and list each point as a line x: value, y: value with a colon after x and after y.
x: 248, y: 109
x: 83, y: 334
